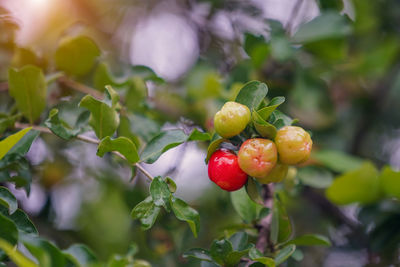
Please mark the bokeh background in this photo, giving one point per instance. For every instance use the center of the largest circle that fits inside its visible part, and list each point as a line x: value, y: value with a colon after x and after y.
x: 340, y: 75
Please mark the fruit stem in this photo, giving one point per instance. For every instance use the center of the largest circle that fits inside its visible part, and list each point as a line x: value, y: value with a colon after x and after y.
x: 263, y: 240
x: 83, y: 138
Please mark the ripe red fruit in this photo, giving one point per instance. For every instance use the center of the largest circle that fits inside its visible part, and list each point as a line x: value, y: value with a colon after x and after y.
x: 224, y: 170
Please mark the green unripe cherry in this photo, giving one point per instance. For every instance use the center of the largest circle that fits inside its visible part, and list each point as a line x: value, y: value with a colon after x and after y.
x: 277, y: 174
x: 232, y: 119
x: 294, y: 145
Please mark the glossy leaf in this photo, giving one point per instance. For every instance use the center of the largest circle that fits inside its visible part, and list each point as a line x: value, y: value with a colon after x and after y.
x: 171, y: 184
x: 284, y: 254
x: 80, y: 254
x: 104, y: 118
x: 310, y: 240
x: 265, y: 129
x: 28, y: 87
x: 122, y: 145
x: 161, y: 143
x: 147, y: 212
x: 15, y: 255
x: 239, y: 241
x: 20, y: 219
x: 272, y: 105
x: 198, y: 253
x: 76, y: 55
x: 196, y: 135
x: 220, y: 250
x: 281, y: 227
x: 8, y: 200
x: 337, y: 161
x: 253, y: 191
x: 256, y: 255
x: 160, y: 192
x: 358, y: 186
x: 184, y: 212
x: 247, y: 209
x: 7, y: 144
x: 252, y: 94
x: 60, y: 128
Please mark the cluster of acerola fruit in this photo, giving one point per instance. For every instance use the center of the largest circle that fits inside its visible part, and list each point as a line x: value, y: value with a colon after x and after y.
x: 265, y: 160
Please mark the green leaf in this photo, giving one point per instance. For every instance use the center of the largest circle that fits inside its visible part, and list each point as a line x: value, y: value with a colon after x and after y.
x: 80, y: 254
x: 253, y: 191
x: 171, y: 184
x: 264, y: 128
x: 285, y: 226
x: 76, y: 55
x: 137, y: 93
x: 196, y: 135
x: 327, y: 25
x: 272, y: 105
x: 279, y: 120
x: 8, y: 230
x: 390, y: 182
x: 256, y: 255
x: 23, y: 145
x: 102, y: 76
x: 8, y: 200
x: 147, y: 212
x: 160, y: 192
x: 104, y: 118
x: 252, y: 94
x: 198, y: 253
x: 315, y: 177
x: 59, y: 127
x: 310, y: 240
x: 357, y: 186
x: 7, y: 144
x: 15, y: 255
x: 28, y: 87
x: 7, y: 121
x: 184, y: 212
x: 215, y: 142
x: 44, y: 251
x: 284, y: 254
x: 247, y: 209
x: 161, y: 143
x: 146, y: 73
x: 219, y: 251
x: 239, y: 241
x: 121, y: 144
x: 20, y: 219
x: 336, y: 160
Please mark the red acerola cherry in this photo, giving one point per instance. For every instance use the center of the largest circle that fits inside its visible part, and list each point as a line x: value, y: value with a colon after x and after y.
x: 224, y: 170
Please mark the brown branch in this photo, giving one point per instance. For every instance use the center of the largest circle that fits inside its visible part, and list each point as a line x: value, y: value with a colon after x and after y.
x: 79, y: 87
x: 263, y: 240
x: 3, y: 87
x: 84, y: 139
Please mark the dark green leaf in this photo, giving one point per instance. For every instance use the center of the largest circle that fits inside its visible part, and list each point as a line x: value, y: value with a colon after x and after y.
x: 253, y: 190
x: 159, y: 192
x: 252, y: 94
x: 272, y: 105
x: 8, y: 200
x: 215, y: 142
x: 220, y: 250
x: 22, y: 147
x: 21, y: 220
x: 147, y: 212
x: 146, y: 73
x: 8, y: 230
x: 256, y: 255
x: 198, y: 253
x: 28, y: 87
x: 184, y: 212
x: 279, y: 120
x: 104, y: 118
x: 171, y: 184
x: 161, y: 143
x: 310, y: 240
x: 122, y: 145
x: 327, y: 25
x: 337, y: 160
x: 281, y: 227
x: 357, y: 186
x: 60, y: 128
x: 284, y: 254
x: 7, y: 121
x: 76, y: 55
x: 80, y: 254
x: 239, y: 241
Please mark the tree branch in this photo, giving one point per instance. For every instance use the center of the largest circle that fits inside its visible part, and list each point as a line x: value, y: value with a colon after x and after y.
x: 79, y: 87
x: 263, y: 240
x: 84, y: 139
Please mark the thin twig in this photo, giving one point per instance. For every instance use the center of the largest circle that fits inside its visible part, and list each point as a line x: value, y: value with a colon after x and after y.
x: 264, y: 240
x: 79, y: 87
x: 83, y: 138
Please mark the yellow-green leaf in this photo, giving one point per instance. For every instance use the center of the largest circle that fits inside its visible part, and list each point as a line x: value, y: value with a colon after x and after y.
x: 9, y: 142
